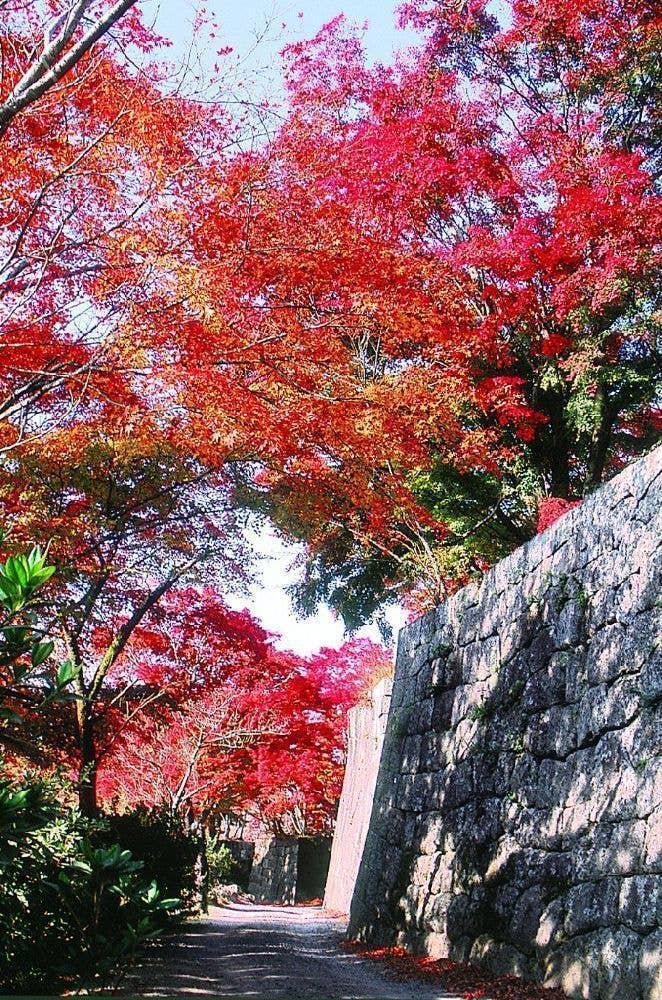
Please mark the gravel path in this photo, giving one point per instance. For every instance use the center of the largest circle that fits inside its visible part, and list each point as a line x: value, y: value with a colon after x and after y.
x: 244, y: 951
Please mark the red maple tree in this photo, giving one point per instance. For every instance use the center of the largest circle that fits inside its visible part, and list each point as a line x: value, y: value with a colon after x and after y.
x: 425, y: 304
x: 207, y: 716
x: 448, y: 274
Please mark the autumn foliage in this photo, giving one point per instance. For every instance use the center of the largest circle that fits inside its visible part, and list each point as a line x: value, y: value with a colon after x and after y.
x: 453, y: 259
x: 414, y: 316
x: 551, y: 509
x: 228, y: 724
x: 467, y: 981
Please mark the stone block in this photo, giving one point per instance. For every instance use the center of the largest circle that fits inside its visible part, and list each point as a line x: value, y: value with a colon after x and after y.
x: 460, y: 787
x: 438, y: 674
x: 610, y: 654
x: 591, y: 905
x: 444, y: 878
x: 575, y: 668
x: 525, y: 919
x: 442, y: 710
x: 540, y: 828
x: 591, y: 715
x: 606, y: 573
x: 602, y: 611
x: 420, y: 660
x: 463, y: 915
x: 550, y: 784
x: 633, y: 595
x: 650, y: 678
x: 569, y: 622
x: 489, y: 659
x: 545, y: 687
x: 550, y: 927
x: 653, y: 841
x: 429, y: 626
x: 499, y: 957
x: 424, y: 792
x: 517, y: 636
x: 650, y: 966
x: 597, y: 966
x: 424, y: 869
x: 640, y: 903
x: 436, y: 945
x: 616, y: 848
x: 420, y: 719
x: 475, y: 701
x: 431, y: 833
x: 555, y: 733
x: 605, y: 708
x: 411, y: 754
x: 432, y: 755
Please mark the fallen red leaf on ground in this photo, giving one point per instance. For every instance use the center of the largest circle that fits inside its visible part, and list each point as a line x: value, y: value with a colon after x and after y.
x: 470, y: 981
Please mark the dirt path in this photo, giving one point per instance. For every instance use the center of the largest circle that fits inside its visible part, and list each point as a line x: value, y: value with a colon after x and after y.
x: 244, y: 951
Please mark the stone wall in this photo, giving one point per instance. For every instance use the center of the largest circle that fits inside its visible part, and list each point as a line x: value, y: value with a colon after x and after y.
x: 289, y: 869
x: 517, y: 817
x: 366, y: 726
x: 274, y: 873
x: 241, y: 852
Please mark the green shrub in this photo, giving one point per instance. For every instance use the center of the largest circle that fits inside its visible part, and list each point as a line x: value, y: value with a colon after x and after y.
x: 29, y: 680
x: 74, y: 904
x: 71, y: 912
x: 219, y: 864
x: 168, y: 851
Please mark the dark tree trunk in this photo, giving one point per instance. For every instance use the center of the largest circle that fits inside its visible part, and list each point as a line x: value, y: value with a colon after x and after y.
x: 197, y: 829
x: 551, y: 449
x: 600, y: 443
x: 87, y: 772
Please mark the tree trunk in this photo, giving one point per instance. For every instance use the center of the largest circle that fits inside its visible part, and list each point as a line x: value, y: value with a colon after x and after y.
x: 559, y: 454
x: 87, y: 772
x: 202, y: 872
x: 551, y: 447
x: 600, y: 442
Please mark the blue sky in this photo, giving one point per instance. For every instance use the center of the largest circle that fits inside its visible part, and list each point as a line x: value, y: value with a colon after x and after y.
x: 238, y: 26
x: 239, y: 22
x: 257, y: 31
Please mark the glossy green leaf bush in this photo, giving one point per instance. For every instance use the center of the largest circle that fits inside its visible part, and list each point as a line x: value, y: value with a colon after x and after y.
x: 72, y: 913
x: 74, y: 906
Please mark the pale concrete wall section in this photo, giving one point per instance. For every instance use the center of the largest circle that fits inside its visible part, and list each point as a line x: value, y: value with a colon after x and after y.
x: 517, y: 819
x: 366, y: 726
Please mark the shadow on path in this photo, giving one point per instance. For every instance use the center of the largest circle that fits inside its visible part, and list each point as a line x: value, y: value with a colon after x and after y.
x: 245, y: 951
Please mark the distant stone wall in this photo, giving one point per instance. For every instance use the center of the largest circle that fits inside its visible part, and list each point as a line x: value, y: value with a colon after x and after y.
x: 241, y: 853
x: 517, y: 819
x: 366, y: 726
x: 274, y: 873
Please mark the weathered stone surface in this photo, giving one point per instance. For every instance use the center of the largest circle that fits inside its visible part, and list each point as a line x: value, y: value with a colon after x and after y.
x: 640, y: 903
x: 650, y: 966
x: 498, y: 956
x: 274, y: 872
x: 591, y: 905
x: 602, y: 965
x: 518, y: 810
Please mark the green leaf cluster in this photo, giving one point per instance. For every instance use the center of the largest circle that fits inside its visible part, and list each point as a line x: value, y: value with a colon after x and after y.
x: 21, y: 576
x: 73, y: 909
x: 26, y: 676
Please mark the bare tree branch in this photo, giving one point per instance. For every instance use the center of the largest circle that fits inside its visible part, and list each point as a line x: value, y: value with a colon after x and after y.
x: 116, y: 647
x: 56, y: 60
